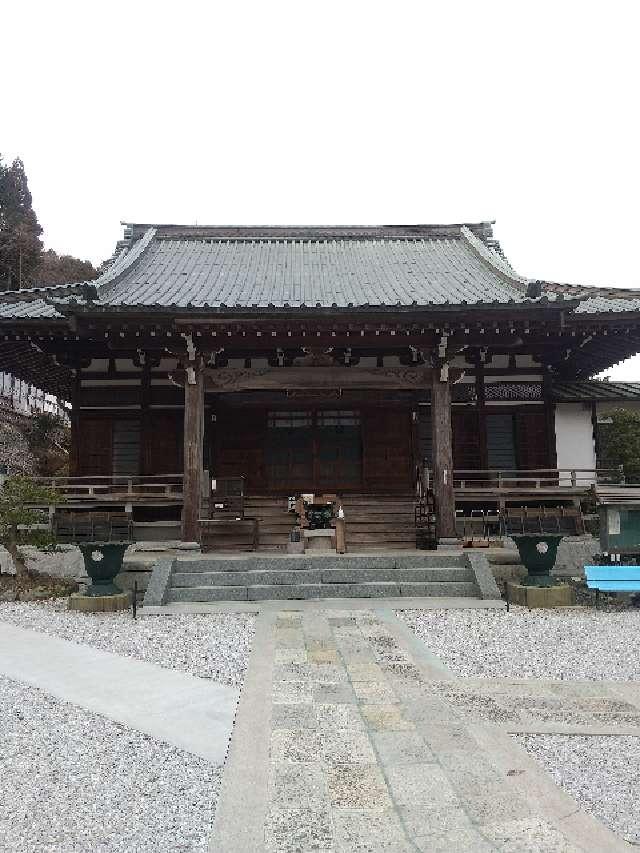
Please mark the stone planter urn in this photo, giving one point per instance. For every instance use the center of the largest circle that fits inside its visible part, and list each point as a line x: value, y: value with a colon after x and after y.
x: 103, y: 561
x: 538, y: 552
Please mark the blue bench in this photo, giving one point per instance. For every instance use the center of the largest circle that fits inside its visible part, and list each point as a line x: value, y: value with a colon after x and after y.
x: 613, y: 579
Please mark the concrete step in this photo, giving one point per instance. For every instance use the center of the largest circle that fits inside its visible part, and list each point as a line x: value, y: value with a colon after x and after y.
x: 503, y: 555
x: 377, y: 547
x: 268, y: 592
x: 315, y: 576
x: 388, y: 538
x: 380, y: 508
x: 307, y: 562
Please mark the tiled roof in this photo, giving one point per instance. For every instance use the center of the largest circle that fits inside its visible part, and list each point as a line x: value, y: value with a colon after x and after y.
x: 594, y: 389
x: 248, y: 273
x: 171, y: 267
x: 596, y: 300
x: 31, y: 310
x: 606, y: 304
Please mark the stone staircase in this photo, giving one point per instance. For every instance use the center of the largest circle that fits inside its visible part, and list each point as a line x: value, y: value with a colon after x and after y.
x: 208, y: 578
x: 373, y: 522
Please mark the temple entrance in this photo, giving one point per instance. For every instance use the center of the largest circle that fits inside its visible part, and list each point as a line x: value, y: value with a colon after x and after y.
x: 313, y: 450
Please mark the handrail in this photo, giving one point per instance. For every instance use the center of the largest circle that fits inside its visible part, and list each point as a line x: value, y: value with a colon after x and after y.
x: 535, y: 478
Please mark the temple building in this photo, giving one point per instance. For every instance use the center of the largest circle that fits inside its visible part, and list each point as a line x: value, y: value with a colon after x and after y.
x: 216, y: 372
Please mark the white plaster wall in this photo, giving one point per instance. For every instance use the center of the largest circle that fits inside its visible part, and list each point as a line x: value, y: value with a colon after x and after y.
x: 575, y: 446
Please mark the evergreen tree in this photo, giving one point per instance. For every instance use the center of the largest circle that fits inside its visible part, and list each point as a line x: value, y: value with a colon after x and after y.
x: 20, y: 244
x: 62, y: 269
x: 620, y: 443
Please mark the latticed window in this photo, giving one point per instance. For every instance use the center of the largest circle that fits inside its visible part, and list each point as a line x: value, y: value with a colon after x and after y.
x: 290, y: 420
x: 338, y: 418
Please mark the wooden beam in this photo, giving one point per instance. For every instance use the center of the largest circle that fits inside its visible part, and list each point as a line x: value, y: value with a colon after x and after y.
x: 301, y: 378
x: 193, y: 457
x: 443, y: 459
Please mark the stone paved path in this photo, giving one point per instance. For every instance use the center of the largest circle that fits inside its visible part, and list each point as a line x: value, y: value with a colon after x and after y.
x: 342, y: 745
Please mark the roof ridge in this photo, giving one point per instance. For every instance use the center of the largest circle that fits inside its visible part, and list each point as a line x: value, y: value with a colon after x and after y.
x: 124, y: 261
x: 592, y: 290
x: 170, y: 231
x: 33, y: 294
x: 495, y: 260
x: 121, y: 261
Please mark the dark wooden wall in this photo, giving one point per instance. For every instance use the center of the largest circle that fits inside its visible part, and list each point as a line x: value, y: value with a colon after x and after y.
x: 235, y: 442
x: 521, y: 434
x: 387, y: 452
x: 160, y: 438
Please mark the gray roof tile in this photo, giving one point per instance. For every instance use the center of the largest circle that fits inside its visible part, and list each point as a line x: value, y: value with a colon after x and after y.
x: 595, y: 389
x: 606, y: 304
x: 324, y: 273
x: 227, y: 267
x: 34, y: 309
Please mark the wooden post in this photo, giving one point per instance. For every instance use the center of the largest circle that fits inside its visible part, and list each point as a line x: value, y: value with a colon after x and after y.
x: 550, y: 417
x: 340, y: 536
x: 193, y: 458
x: 482, y: 416
x: 146, y: 430
x: 443, y: 458
x: 74, y: 456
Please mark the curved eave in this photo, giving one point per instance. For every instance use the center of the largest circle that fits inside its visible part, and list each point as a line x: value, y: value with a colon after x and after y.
x: 604, y: 317
x: 258, y: 311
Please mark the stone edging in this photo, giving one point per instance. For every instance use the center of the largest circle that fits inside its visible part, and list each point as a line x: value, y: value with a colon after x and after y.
x: 485, y: 581
x: 158, y: 587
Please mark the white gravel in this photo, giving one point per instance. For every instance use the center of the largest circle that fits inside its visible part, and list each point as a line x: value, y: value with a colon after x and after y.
x: 555, y: 644
x: 600, y: 773
x: 214, y: 646
x: 74, y: 781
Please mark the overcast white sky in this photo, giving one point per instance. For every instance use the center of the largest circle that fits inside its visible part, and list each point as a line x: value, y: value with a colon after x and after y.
x: 334, y: 112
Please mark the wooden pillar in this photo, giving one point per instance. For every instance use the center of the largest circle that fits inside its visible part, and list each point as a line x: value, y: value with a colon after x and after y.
x: 146, y: 432
x: 193, y: 460
x: 550, y: 419
x: 443, y: 457
x: 74, y: 457
x: 482, y: 416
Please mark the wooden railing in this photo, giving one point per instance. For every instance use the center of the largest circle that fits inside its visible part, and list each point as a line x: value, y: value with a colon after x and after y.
x: 560, y: 479
x: 115, y: 487
x: 226, y: 494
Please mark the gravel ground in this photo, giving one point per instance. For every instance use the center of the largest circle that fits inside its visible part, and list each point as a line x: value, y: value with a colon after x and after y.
x: 74, y: 781
x: 213, y: 646
x: 554, y: 644
x: 600, y: 773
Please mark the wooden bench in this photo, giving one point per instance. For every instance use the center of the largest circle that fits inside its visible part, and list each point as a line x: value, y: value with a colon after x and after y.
x: 613, y: 578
